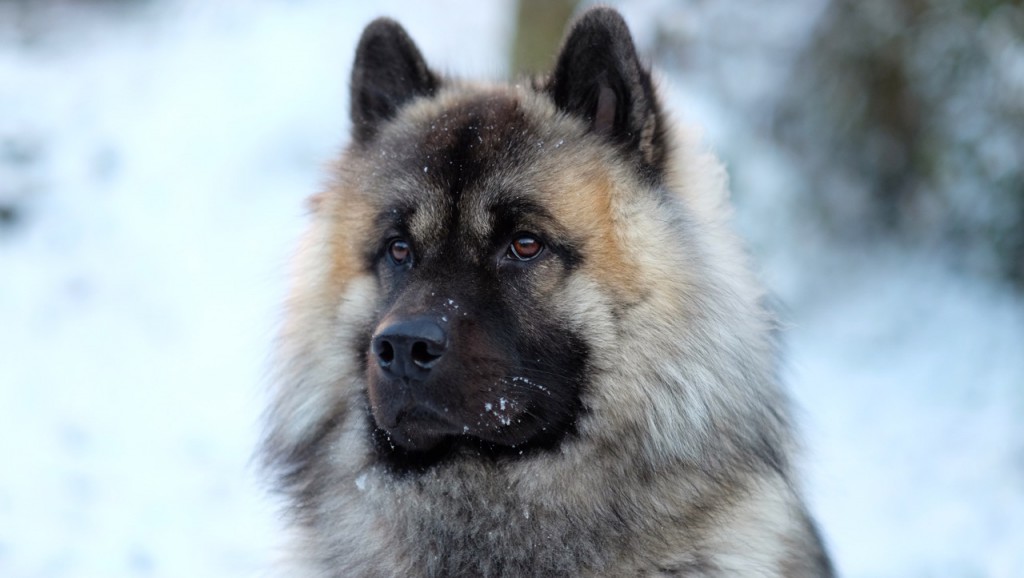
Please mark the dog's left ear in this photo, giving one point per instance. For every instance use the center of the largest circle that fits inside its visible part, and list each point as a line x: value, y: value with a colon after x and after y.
x: 598, y: 77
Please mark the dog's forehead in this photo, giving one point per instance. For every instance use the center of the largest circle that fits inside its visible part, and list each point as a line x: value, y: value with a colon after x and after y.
x: 462, y: 158
x: 470, y: 140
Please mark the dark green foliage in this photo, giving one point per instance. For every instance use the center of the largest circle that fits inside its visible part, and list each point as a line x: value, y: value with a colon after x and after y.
x: 910, y: 116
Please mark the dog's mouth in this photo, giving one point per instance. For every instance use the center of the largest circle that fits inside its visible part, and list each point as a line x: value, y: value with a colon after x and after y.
x: 418, y: 428
x: 416, y: 423
x: 414, y: 430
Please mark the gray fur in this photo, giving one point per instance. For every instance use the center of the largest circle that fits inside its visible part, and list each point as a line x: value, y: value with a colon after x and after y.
x: 681, y: 462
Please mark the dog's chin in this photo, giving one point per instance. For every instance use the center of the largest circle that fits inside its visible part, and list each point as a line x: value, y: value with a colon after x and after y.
x: 418, y: 431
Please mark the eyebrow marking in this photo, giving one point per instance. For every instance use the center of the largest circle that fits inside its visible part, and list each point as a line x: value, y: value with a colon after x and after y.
x: 395, y: 216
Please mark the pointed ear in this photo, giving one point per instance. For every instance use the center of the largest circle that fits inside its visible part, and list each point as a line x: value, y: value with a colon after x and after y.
x: 389, y: 71
x: 598, y: 77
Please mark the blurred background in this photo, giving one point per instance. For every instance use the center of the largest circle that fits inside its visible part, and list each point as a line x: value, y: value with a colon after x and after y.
x: 154, y: 159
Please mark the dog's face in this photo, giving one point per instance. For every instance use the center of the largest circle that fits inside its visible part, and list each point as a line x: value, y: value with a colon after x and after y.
x: 483, y: 205
x: 469, y: 342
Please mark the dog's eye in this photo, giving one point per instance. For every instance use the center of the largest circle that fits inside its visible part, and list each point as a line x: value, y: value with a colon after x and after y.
x: 399, y: 252
x: 524, y: 247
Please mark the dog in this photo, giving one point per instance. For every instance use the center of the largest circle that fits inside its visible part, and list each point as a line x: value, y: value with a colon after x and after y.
x: 521, y: 339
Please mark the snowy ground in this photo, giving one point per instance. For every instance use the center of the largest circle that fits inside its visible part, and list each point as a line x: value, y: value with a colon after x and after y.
x: 158, y: 159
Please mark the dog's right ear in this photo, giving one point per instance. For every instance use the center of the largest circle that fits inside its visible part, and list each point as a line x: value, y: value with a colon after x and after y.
x: 389, y: 71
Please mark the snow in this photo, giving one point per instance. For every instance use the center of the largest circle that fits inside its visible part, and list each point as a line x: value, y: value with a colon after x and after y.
x: 911, y: 383
x: 159, y: 157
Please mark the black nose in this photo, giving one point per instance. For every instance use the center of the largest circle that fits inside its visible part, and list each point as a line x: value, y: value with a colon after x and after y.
x: 410, y: 348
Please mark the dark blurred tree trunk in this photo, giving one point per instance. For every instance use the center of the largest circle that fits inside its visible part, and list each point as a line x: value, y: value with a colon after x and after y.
x: 539, y: 28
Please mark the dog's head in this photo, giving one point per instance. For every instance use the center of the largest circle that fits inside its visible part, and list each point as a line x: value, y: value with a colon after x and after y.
x: 497, y: 269
x: 483, y: 203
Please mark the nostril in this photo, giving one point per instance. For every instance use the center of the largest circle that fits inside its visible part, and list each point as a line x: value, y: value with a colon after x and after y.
x: 409, y: 349
x: 422, y: 356
x: 385, y: 352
